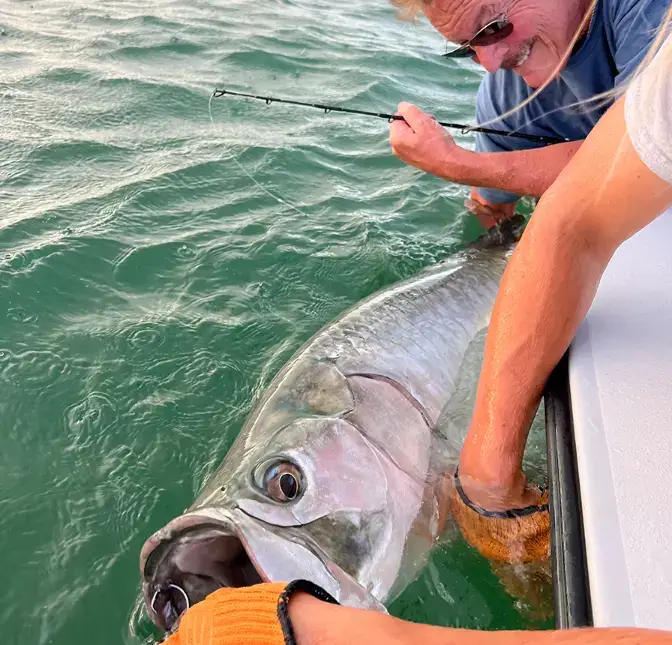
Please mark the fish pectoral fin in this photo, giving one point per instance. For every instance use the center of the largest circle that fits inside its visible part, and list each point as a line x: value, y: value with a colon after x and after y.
x: 443, y: 492
x: 445, y: 487
x: 531, y: 584
x: 433, y: 519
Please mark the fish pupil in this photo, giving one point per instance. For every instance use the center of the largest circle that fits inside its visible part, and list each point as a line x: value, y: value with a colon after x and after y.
x: 289, y: 486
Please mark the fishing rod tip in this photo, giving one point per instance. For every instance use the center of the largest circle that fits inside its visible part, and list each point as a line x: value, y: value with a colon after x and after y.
x: 217, y: 93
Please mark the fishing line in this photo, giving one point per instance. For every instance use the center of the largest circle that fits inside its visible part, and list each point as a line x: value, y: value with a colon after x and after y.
x: 278, y: 199
x: 464, y: 129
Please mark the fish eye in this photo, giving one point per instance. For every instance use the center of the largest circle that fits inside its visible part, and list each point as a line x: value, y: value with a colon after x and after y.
x: 283, y: 481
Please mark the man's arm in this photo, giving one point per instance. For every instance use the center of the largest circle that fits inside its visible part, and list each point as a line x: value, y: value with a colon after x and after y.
x: 603, y: 197
x: 525, y: 172
x: 318, y: 623
x: 421, y: 142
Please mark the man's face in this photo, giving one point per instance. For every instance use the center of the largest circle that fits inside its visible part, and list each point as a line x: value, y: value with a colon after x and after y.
x: 542, y: 32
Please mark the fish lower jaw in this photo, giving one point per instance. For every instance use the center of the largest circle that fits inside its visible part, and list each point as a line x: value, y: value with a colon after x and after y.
x: 189, y: 559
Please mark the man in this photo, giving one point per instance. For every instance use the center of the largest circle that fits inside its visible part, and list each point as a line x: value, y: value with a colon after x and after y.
x: 577, y: 49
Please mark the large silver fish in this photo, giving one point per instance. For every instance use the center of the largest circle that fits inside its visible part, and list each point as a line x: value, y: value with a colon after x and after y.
x: 338, y: 473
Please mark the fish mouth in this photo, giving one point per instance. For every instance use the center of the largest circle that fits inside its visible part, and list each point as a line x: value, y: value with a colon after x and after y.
x: 189, y: 559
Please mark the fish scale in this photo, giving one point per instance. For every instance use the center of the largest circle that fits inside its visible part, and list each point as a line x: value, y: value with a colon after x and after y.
x: 402, y: 333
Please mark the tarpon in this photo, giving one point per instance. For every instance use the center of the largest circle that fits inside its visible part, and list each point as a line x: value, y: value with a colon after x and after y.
x: 338, y: 475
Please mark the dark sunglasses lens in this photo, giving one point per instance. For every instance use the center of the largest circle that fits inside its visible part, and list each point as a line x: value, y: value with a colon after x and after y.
x: 461, y: 52
x: 489, y: 35
x: 492, y: 34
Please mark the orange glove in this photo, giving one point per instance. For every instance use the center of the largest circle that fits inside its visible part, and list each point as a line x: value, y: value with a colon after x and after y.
x: 256, y: 615
x: 518, y: 535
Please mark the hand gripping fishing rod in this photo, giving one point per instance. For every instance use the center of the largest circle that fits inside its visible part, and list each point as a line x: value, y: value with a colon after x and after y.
x: 392, y: 117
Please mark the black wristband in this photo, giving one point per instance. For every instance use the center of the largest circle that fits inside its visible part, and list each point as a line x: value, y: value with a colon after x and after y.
x: 504, y: 515
x: 283, y: 604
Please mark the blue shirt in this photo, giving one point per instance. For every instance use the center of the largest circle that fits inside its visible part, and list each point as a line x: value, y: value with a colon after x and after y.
x: 618, y: 39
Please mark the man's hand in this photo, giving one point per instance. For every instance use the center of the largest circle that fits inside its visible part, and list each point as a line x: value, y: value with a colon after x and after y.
x: 420, y: 141
x: 488, y: 213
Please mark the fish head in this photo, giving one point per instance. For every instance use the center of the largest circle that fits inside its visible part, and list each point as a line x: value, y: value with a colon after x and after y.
x: 304, y: 493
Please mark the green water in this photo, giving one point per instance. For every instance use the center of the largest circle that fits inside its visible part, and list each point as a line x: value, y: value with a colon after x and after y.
x: 149, y: 287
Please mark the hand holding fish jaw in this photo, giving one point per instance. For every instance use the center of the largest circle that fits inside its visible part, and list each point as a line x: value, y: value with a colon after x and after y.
x: 420, y: 141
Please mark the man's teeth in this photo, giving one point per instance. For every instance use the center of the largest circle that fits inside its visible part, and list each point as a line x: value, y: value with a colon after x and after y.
x: 524, y: 55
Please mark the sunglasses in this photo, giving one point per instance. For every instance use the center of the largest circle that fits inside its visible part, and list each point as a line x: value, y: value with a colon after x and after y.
x: 492, y: 33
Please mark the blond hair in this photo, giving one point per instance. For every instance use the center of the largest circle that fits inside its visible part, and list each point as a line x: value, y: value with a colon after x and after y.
x: 409, y: 9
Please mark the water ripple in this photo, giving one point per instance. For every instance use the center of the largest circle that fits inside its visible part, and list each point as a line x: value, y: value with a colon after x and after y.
x: 146, y: 337
x: 34, y: 368
x: 21, y: 315
x: 175, y: 46
x: 13, y: 262
x: 87, y: 421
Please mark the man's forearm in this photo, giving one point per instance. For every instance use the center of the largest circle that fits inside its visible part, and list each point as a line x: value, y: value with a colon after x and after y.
x: 420, y: 141
x: 523, y: 172
x: 604, y: 196
x: 319, y: 623
x: 586, y: 636
x: 543, y: 297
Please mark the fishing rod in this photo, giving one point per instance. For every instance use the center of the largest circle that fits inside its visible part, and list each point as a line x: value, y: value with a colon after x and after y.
x: 391, y: 117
